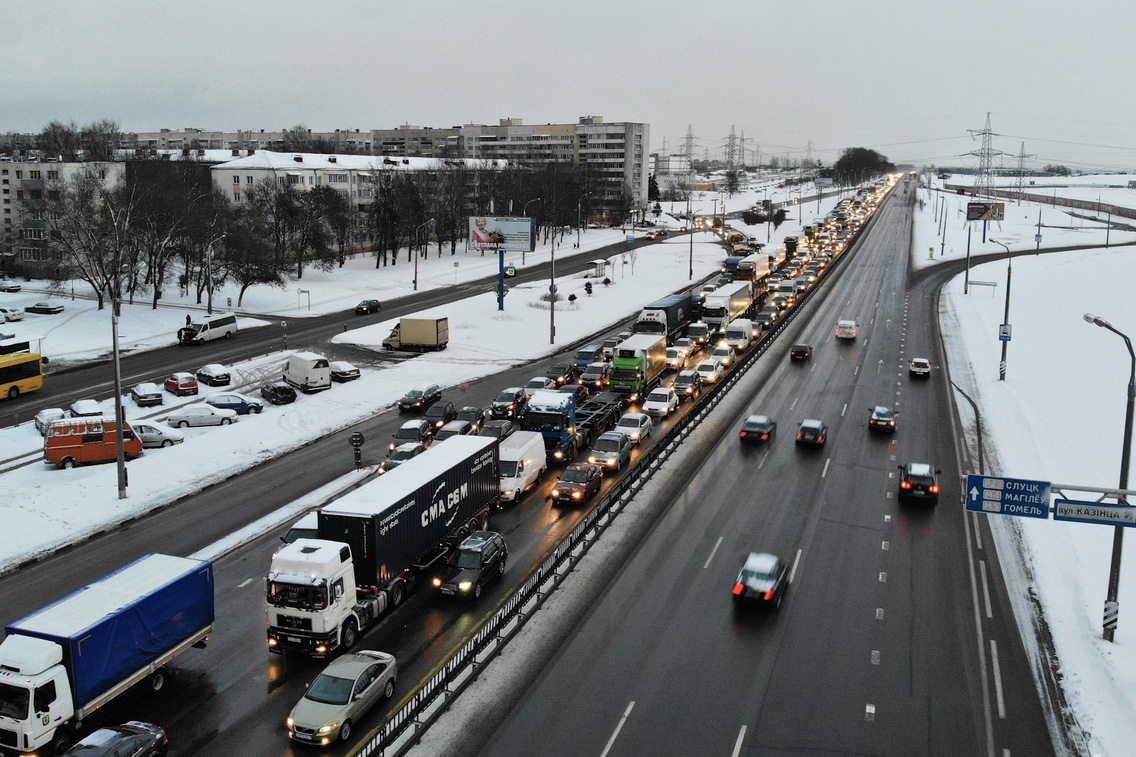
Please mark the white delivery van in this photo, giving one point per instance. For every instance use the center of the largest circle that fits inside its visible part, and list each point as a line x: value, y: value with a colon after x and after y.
x: 846, y: 329
x: 208, y: 327
x: 308, y: 372
x: 523, y: 462
x: 740, y: 333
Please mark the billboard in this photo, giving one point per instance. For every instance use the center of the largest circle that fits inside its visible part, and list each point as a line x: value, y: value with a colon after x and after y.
x: 823, y: 181
x: 501, y: 233
x: 985, y: 211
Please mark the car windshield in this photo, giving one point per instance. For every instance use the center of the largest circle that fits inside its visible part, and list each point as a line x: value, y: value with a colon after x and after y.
x: 330, y: 690
x: 467, y: 415
x: 414, y: 394
x: 708, y: 366
x: 534, y: 421
x: 684, y: 381
x: 557, y: 370
x: 506, y: 396
x: 402, y: 454
x: 466, y: 559
x: 606, y: 445
x: 536, y: 384
x: 408, y: 433
x: 493, y: 431
x: 436, y: 411
x: 574, y: 477
x: 754, y: 425
x: 628, y: 423
x: 508, y: 468
x: 658, y: 397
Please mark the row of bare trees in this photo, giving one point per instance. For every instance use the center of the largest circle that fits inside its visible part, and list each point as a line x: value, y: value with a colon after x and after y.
x: 167, y: 224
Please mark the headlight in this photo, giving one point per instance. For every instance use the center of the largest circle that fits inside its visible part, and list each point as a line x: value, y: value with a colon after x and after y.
x: 577, y: 494
x: 556, y: 494
x: 437, y: 582
x: 558, y: 454
x: 591, y: 458
x: 465, y: 585
x: 290, y: 721
x: 328, y: 728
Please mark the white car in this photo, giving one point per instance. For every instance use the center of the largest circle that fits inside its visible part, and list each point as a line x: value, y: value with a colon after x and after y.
x: 710, y: 370
x: 44, y: 418
x: 635, y: 426
x: 156, y: 435
x: 537, y: 383
x: 86, y: 409
x: 676, y: 358
x: 661, y: 402
x: 11, y: 314
x: 724, y: 353
x: 201, y: 415
x: 920, y: 366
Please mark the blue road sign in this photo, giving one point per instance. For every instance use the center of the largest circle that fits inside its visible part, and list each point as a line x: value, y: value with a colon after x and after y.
x: 1102, y: 513
x: 1007, y: 496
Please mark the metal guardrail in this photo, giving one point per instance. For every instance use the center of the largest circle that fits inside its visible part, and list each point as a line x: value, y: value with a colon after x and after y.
x: 403, y: 729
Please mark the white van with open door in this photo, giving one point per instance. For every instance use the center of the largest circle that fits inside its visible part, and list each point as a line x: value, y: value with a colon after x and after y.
x: 208, y: 327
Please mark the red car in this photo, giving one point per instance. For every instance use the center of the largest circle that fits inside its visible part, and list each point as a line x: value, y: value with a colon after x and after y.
x: 579, y: 483
x: 181, y: 383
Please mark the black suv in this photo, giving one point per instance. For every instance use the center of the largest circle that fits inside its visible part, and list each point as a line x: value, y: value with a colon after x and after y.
x: 800, y: 352
x: 918, y: 481
x: 562, y: 372
x: 509, y: 403
x: 687, y: 385
x: 476, y: 560
x: 441, y: 413
x: 417, y: 399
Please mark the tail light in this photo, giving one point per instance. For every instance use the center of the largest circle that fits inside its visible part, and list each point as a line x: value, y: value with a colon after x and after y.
x: 934, y: 488
x: 905, y: 484
x: 742, y: 434
x: 799, y: 436
x: 765, y: 436
x: 738, y: 589
x: 769, y: 594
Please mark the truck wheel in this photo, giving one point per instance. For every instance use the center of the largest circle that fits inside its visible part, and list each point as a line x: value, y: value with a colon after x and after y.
x: 345, y: 730
x: 61, y: 744
x: 350, y: 635
x: 397, y: 593
x: 67, y: 463
x: 158, y: 679
x: 483, y: 522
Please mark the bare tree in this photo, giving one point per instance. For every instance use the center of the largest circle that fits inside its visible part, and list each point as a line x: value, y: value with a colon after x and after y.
x: 59, y: 140
x: 100, y: 140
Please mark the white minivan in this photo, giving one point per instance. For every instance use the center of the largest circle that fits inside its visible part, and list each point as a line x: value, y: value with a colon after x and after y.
x: 740, y: 333
x: 208, y: 327
x: 523, y: 462
x: 846, y: 329
x: 308, y: 372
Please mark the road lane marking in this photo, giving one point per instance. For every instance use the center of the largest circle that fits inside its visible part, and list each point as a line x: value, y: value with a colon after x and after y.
x: 244, y: 583
x: 870, y: 712
x: 982, y: 669
x: 875, y: 657
x: 618, y: 728
x: 997, y: 679
x: 712, y: 553
x: 884, y: 546
x: 793, y: 570
x: 763, y: 459
x: 879, y: 613
x: 883, y: 577
x: 824, y: 472
x: 794, y: 403
x: 843, y: 410
x: 738, y: 743
x: 985, y: 588
x: 887, y: 519
x: 977, y: 534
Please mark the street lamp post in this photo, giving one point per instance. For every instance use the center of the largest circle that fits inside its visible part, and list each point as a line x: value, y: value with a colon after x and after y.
x: 579, y: 208
x: 690, y: 233
x: 119, y: 414
x: 525, y: 214
x: 424, y: 223
x: 1111, y: 605
x: 1005, y: 337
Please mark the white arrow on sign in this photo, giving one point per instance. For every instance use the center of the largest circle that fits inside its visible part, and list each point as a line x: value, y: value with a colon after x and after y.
x: 974, y: 493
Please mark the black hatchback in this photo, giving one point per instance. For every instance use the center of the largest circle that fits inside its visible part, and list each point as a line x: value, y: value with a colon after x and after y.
x: 918, y: 481
x: 480, y: 557
x: 133, y: 739
x: 441, y: 413
x: 278, y: 393
x: 367, y: 306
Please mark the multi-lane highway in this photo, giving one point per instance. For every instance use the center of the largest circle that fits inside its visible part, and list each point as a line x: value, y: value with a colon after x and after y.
x: 882, y: 646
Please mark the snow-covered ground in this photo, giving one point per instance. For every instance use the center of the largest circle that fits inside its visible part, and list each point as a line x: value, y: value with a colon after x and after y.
x: 1054, y: 355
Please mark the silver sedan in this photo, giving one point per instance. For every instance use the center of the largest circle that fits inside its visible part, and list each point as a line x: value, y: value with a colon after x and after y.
x: 345, y: 690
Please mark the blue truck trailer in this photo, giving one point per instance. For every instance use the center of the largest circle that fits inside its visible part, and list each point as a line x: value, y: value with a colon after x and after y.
x: 567, y: 428
x: 97, y: 643
x: 376, y: 542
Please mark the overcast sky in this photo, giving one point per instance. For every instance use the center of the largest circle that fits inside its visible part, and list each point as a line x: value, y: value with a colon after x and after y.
x: 908, y: 79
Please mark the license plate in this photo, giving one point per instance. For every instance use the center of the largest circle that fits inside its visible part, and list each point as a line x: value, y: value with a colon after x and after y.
x: 447, y: 590
x: 292, y: 639
x: 303, y: 736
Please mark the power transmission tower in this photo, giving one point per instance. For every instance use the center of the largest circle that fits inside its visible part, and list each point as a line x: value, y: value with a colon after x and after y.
x: 731, y: 149
x: 809, y: 155
x: 1022, y: 171
x: 984, y: 181
x: 688, y: 148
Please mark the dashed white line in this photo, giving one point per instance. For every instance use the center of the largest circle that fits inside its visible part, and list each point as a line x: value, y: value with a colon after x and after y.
x: 883, y: 577
x: 884, y: 546
x: 997, y: 679
x: 879, y: 613
x: 712, y: 553
x: 870, y: 712
x: 244, y: 583
x: 794, y: 403
x: 738, y: 743
x: 824, y: 472
x: 763, y: 459
x: 793, y: 570
x: 843, y: 410
x: 618, y: 728
x: 875, y: 657
x: 985, y: 587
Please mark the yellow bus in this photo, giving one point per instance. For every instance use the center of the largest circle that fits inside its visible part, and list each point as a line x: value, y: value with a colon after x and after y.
x: 20, y: 372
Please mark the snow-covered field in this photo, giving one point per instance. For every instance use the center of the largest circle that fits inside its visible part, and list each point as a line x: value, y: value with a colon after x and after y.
x: 1058, y: 416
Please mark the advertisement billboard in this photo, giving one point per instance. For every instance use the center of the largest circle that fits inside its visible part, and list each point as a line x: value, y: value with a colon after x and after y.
x: 501, y: 233
x: 985, y: 211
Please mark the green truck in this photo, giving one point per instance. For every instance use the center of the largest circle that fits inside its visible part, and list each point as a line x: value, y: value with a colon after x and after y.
x: 638, y: 363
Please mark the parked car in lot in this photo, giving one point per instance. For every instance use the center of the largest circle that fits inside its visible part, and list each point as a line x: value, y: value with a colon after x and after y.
x: 812, y: 432
x: 687, y: 385
x: 214, y: 374
x: 400, y: 454
x: 480, y: 557
x: 367, y: 306
x: 661, y: 402
x: 241, y: 404
x: 9, y: 286
x: 181, y: 384
x: 441, y: 413
x: 420, y: 431
x: 920, y: 366
x: 156, y: 435
x: 473, y: 414
x: 201, y: 415
x: 611, y: 450
x: 11, y: 314
x: 132, y: 739
x: 635, y: 426
x: 44, y: 308
x: 46, y: 416
x: 342, y: 694
x: 342, y: 371
x: 453, y: 428
x: 417, y: 399
x: 801, y: 352
x: 509, y: 402
x: 882, y: 418
x: 758, y: 429
x: 278, y: 393
x: 580, y: 482
x: 499, y: 429
x: 918, y: 481
x: 86, y: 409
x: 763, y: 580
x: 147, y: 394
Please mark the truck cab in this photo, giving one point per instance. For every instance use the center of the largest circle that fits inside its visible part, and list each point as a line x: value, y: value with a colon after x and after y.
x: 35, y: 691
